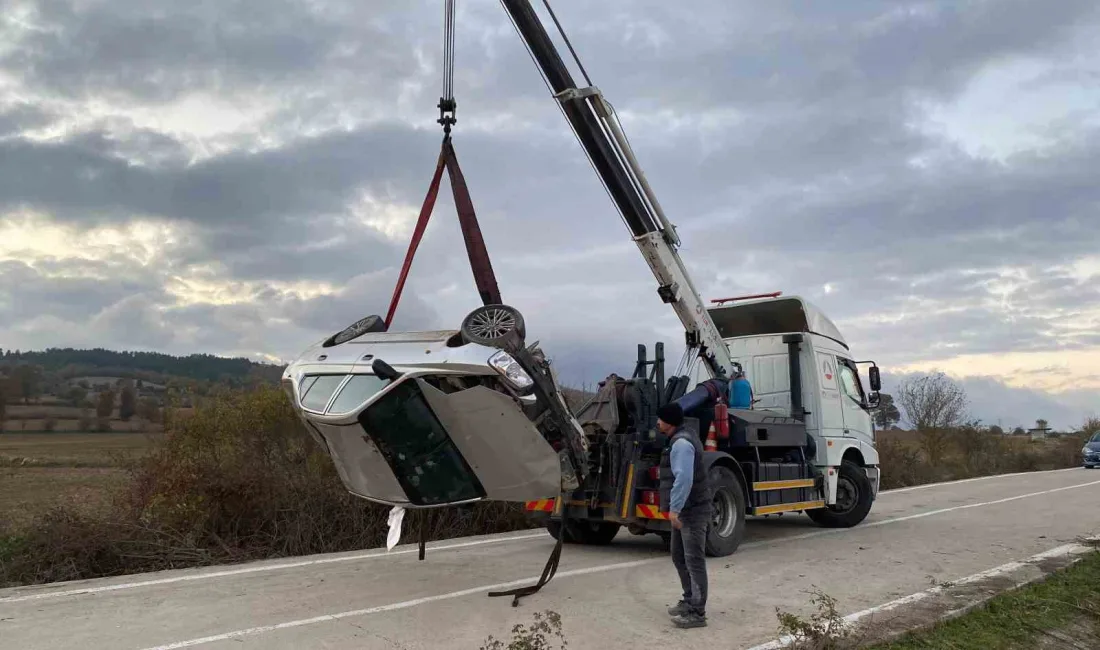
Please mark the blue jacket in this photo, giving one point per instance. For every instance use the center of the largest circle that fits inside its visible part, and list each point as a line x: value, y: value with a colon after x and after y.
x: 740, y: 394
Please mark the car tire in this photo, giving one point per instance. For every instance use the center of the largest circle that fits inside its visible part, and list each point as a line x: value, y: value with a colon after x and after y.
x: 497, y: 326
x: 373, y: 323
x: 727, y: 525
x: 855, y: 505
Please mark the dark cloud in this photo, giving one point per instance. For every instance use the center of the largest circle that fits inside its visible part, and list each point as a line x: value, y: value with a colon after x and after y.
x: 790, y: 145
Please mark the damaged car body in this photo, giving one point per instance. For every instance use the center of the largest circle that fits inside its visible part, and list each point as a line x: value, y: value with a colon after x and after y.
x: 439, y: 418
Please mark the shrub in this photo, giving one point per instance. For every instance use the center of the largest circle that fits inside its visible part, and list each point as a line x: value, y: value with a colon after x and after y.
x: 49, y: 424
x: 239, y: 479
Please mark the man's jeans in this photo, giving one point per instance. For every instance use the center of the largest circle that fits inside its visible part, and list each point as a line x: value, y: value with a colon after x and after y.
x: 688, y: 555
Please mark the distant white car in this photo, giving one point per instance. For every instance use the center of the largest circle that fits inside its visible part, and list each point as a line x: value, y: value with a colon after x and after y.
x: 429, y: 419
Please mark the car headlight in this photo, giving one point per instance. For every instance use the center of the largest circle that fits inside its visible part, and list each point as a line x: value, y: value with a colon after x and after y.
x: 510, y: 369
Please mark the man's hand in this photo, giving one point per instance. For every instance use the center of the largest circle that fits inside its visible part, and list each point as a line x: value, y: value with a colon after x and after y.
x: 674, y: 517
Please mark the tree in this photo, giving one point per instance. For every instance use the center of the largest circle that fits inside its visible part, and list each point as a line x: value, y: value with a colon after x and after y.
x: 1019, y: 431
x: 105, y: 404
x: 887, y: 414
x: 934, y: 405
x: 1041, y: 424
x: 933, y: 401
x: 77, y: 395
x: 28, y: 379
x: 996, y: 430
x: 149, y: 409
x: 127, y: 403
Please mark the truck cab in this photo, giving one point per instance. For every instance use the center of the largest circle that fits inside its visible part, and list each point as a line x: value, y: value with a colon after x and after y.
x: 775, y: 338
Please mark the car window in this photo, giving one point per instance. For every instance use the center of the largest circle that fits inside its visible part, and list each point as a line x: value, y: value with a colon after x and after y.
x: 359, y: 389
x: 850, y: 383
x: 423, y: 457
x: 316, y: 393
x: 1095, y: 437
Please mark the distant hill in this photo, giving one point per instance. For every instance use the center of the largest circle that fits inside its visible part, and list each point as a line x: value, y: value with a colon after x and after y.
x: 67, y: 363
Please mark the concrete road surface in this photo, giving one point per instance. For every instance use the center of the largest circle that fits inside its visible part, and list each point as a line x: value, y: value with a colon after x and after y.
x: 609, y: 597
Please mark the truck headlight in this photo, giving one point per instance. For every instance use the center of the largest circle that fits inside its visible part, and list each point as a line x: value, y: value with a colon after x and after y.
x: 510, y: 369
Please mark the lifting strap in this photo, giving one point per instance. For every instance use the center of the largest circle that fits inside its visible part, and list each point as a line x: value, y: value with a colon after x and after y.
x: 484, y: 277
x: 548, y: 571
x: 482, y: 269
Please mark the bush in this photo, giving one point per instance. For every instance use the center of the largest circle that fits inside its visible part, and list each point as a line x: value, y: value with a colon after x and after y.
x: 49, y: 424
x: 239, y: 479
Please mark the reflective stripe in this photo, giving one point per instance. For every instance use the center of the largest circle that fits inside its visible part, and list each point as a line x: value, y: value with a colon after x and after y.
x: 783, y: 485
x: 649, y: 512
x: 787, y: 507
x: 628, y: 490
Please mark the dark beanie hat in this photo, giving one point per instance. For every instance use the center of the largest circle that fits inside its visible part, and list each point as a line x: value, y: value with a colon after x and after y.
x: 671, y: 413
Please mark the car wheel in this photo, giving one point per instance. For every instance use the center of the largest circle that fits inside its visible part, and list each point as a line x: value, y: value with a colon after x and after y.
x: 853, y: 499
x: 360, y: 327
x: 727, y: 524
x: 497, y: 326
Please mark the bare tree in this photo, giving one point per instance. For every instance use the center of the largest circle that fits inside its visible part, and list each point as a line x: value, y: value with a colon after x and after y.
x: 934, y: 404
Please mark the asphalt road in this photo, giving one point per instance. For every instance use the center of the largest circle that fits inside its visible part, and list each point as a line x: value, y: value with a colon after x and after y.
x: 608, y: 596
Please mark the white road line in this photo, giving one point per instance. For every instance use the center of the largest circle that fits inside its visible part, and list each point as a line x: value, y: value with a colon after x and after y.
x: 376, y: 554
x: 576, y: 572
x: 976, y: 478
x: 267, y: 567
x: 1061, y: 551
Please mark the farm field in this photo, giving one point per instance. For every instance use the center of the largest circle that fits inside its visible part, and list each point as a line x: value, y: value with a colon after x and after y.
x: 42, y: 470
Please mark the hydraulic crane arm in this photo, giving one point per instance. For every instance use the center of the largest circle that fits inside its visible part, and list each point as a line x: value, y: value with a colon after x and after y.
x: 598, y: 130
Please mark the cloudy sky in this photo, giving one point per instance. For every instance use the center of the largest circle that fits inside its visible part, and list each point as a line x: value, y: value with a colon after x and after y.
x: 241, y: 178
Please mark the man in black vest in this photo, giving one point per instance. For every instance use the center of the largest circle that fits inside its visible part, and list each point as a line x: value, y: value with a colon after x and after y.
x: 686, y: 496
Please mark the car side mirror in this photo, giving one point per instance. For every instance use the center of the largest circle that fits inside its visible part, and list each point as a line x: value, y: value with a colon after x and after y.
x: 876, y: 380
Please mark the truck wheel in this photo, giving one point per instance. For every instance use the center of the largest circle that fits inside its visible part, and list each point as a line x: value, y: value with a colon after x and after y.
x: 497, y: 326
x: 727, y: 525
x: 553, y: 526
x: 853, y: 499
x: 592, y: 533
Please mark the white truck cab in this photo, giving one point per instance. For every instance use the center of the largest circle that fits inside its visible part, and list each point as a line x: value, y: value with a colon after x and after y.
x: 835, y: 406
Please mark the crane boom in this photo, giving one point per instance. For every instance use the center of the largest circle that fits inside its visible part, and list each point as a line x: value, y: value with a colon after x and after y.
x: 594, y: 122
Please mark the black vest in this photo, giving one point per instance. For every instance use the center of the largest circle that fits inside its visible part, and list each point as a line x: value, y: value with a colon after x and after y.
x: 699, y: 495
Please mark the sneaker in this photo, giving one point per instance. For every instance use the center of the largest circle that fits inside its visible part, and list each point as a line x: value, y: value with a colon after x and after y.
x: 689, y: 619
x: 679, y: 608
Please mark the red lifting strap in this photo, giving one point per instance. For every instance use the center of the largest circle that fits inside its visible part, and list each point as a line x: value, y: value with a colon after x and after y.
x: 475, y: 245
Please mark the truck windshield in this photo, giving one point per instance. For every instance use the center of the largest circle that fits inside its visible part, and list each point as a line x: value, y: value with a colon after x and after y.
x: 420, y: 452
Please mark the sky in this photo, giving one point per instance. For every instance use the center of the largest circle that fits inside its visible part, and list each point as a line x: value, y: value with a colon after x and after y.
x: 242, y: 178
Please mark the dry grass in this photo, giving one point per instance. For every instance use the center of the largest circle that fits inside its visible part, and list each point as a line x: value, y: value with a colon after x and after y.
x: 31, y: 491
x: 967, y: 452
x: 74, y: 449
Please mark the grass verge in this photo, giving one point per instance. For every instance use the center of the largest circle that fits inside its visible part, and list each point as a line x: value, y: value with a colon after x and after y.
x: 1061, y: 612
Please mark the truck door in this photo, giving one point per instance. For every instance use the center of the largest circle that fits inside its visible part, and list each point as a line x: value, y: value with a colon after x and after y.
x: 831, y: 409
x: 856, y: 420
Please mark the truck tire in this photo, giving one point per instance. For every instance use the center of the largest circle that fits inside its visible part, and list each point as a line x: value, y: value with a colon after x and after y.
x: 727, y: 525
x: 591, y: 532
x: 853, y: 499
x: 553, y: 526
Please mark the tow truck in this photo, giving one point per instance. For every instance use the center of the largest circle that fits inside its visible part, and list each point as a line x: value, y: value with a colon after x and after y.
x: 447, y: 418
x: 808, y: 443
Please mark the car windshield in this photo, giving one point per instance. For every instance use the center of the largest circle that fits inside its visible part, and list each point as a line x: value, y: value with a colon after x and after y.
x: 423, y: 457
x: 1095, y: 437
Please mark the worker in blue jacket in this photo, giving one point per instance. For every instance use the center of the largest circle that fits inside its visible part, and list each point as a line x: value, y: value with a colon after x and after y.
x: 685, y: 494
x: 740, y: 391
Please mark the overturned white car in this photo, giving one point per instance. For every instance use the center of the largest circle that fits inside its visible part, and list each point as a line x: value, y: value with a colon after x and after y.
x: 439, y: 418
